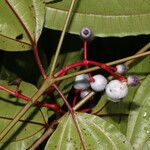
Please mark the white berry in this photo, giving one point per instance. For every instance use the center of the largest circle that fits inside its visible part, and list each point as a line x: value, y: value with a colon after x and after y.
x: 81, y: 82
x: 121, y: 68
x: 99, y: 83
x: 116, y: 90
x: 132, y: 80
x: 84, y: 93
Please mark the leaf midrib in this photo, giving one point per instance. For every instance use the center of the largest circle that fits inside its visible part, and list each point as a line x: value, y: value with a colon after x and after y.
x: 19, y: 41
x: 96, y: 14
x: 102, y: 131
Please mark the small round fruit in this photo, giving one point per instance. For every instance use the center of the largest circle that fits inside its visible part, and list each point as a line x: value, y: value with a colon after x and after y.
x: 84, y: 93
x: 121, y: 68
x: 81, y: 82
x: 133, y: 80
x: 116, y: 90
x: 99, y: 83
x: 86, y: 34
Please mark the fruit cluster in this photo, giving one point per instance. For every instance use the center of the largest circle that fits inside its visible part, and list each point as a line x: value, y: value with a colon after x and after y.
x: 115, y: 89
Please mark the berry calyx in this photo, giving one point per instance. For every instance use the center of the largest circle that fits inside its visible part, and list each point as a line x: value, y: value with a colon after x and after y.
x: 81, y: 82
x: 86, y: 34
x: 99, y: 83
x: 133, y: 80
x: 116, y: 90
x: 121, y: 68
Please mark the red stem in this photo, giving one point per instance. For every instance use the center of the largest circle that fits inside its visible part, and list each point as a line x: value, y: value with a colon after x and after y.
x: 65, y: 69
x: 85, y: 50
x: 87, y: 110
x: 74, y: 102
x: 85, y: 58
x: 72, y: 114
x: 107, y: 68
x: 43, y: 104
x: 84, y: 63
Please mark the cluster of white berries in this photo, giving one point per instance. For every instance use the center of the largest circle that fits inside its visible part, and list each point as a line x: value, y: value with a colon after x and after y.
x: 115, y: 89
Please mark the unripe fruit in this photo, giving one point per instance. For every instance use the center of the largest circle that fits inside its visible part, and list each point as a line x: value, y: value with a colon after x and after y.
x: 133, y: 80
x: 99, y: 83
x: 86, y: 34
x: 84, y: 93
x: 121, y: 68
x: 81, y: 82
x: 116, y: 90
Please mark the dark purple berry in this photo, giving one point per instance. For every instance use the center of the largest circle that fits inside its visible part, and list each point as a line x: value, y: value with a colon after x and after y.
x: 133, y: 80
x: 86, y: 34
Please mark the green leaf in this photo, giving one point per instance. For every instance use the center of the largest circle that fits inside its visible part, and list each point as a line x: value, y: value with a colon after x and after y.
x: 31, y: 14
x: 30, y: 127
x: 138, y: 129
x: 117, y: 113
x: 104, y: 17
x: 96, y: 133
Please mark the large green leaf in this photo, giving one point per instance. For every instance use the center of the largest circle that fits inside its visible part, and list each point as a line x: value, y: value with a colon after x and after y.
x: 116, y: 113
x: 29, y: 128
x: 105, y: 17
x: 138, y: 130
x: 31, y: 14
x: 96, y: 134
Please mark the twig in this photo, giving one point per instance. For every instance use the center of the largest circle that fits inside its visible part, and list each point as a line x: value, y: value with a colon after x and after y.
x: 145, y: 48
x: 96, y: 68
x: 20, y: 114
x: 83, y: 101
x: 72, y: 114
x: 67, y: 22
x: 48, y: 132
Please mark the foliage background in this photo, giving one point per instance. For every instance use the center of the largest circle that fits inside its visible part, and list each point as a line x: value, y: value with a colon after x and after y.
x: 120, y: 32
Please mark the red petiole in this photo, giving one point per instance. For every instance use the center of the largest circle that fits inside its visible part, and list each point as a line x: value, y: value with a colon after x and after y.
x: 89, y: 62
x: 43, y: 104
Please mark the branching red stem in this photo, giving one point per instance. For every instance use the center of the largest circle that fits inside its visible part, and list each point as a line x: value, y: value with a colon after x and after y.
x: 89, y: 62
x: 65, y: 69
x: 54, y: 107
x: 107, y: 68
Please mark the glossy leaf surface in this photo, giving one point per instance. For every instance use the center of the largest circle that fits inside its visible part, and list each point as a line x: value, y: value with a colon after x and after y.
x: 117, y: 113
x: 12, y: 12
x: 30, y: 127
x: 96, y: 134
x: 138, y: 129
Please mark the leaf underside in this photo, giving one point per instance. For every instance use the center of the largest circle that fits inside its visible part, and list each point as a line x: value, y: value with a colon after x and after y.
x: 117, y: 113
x: 29, y: 128
x: 104, y: 17
x: 96, y: 133
x: 138, y: 129
x: 12, y: 35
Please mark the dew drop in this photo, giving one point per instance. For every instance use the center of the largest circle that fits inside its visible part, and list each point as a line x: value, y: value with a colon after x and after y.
x: 98, y: 142
x: 147, y: 131
x: 145, y: 114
